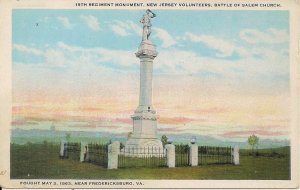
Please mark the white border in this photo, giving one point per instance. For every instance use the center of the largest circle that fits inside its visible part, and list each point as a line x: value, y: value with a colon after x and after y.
x: 6, y: 6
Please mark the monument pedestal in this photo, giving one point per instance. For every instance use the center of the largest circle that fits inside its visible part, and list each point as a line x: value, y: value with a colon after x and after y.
x: 144, y: 130
x: 151, y: 145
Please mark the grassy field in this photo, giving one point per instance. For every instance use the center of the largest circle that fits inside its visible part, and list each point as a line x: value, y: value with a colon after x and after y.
x: 271, y: 152
x: 34, y: 161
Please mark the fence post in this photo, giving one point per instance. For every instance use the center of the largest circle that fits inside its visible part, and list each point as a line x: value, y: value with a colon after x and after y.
x: 236, y: 156
x: 170, y: 155
x: 193, y: 155
x: 113, y: 153
x: 62, y: 148
x: 83, y: 151
x: 63, y: 153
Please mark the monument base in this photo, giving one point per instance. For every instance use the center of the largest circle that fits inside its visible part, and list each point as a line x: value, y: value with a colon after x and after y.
x: 141, y: 147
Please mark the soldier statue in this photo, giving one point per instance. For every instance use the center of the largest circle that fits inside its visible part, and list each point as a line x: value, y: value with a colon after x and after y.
x: 146, y: 20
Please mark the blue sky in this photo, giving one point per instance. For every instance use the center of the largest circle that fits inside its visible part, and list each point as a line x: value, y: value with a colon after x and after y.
x: 52, y: 26
x: 216, y: 59
x: 172, y: 30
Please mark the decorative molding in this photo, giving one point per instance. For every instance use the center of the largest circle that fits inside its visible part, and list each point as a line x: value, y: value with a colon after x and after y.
x: 144, y: 117
x: 144, y: 111
x: 146, y: 52
x: 146, y: 49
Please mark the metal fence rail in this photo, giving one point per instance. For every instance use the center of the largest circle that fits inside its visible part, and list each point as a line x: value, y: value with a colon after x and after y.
x: 149, y: 157
x: 73, y: 151
x: 214, y: 155
x: 98, y: 154
x: 182, y: 154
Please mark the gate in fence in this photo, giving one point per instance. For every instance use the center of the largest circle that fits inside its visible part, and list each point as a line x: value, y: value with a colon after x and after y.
x: 149, y: 157
x: 182, y: 155
x: 72, y: 151
x: 98, y: 154
x: 214, y: 155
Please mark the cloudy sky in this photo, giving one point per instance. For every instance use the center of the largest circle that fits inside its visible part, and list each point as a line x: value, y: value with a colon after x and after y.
x: 219, y: 73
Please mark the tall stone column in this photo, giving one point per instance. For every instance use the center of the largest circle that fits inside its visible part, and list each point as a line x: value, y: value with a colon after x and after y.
x: 145, y: 117
x: 146, y: 53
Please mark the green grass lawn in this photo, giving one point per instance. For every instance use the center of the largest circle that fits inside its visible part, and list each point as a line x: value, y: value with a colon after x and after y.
x: 42, y: 162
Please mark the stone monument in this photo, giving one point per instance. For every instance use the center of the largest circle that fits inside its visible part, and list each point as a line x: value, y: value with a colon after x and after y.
x: 144, y: 135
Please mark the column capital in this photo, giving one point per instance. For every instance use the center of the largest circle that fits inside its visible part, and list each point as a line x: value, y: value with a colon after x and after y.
x: 147, y: 49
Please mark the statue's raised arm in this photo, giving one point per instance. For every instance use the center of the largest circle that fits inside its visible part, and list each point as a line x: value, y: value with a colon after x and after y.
x: 146, y: 20
x: 152, y: 13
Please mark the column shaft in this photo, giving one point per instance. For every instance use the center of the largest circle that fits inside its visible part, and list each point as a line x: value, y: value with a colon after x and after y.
x: 146, y: 69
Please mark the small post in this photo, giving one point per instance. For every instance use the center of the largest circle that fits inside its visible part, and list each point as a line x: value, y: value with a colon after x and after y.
x: 83, y: 151
x: 236, y: 156
x: 193, y: 155
x: 62, y: 149
x: 113, y: 153
x: 170, y: 155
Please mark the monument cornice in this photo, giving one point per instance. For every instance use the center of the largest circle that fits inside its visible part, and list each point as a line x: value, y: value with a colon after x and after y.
x: 142, y: 116
x: 146, y: 49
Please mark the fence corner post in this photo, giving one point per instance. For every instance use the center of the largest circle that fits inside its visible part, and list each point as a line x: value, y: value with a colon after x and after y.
x: 113, y: 153
x: 193, y: 157
x: 170, y: 155
x: 236, y: 156
x: 83, y: 151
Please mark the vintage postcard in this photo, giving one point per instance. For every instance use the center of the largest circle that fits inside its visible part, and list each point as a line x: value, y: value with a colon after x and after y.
x: 149, y: 94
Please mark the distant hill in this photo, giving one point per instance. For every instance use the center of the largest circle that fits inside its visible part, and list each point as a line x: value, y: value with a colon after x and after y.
x: 21, y: 136
x: 210, y: 141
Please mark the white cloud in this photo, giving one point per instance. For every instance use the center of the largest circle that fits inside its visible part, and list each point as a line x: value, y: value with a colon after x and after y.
x: 124, y: 28
x: 65, y: 22
x: 165, y: 37
x: 91, y: 21
x: 55, y: 58
x: 270, y: 36
x: 225, y: 48
x: 118, y: 30
x: 25, y: 49
x: 135, y: 28
x: 64, y: 46
x: 98, y: 55
x: 263, y: 62
x: 187, y: 62
x: 250, y: 68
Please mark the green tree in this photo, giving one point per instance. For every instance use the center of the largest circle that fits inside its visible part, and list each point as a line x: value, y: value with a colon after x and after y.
x: 164, y: 140
x: 252, y: 141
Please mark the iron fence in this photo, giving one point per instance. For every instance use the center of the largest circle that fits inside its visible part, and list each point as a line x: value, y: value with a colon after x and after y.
x: 149, y: 157
x: 97, y: 154
x: 72, y: 151
x: 182, y: 155
x: 214, y: 155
